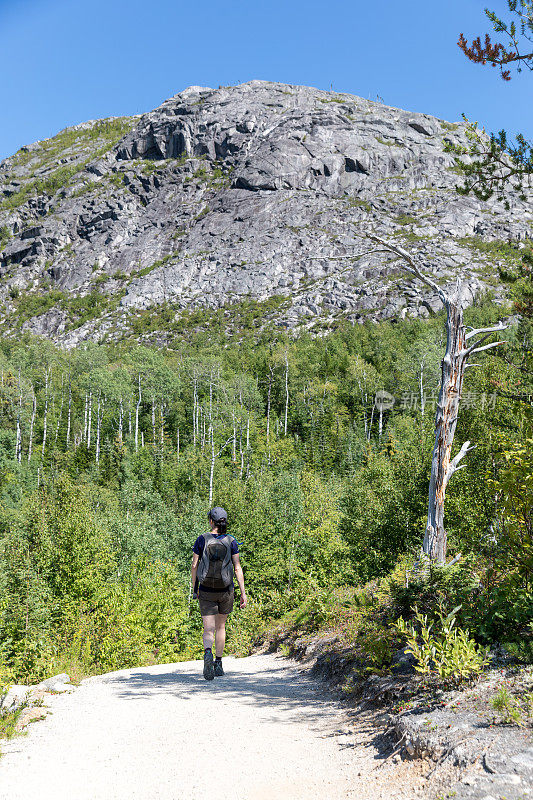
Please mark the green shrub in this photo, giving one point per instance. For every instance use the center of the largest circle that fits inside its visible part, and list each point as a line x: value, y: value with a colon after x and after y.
x: 8, y: 723
x: 494, y: 249
x: 5, y: 236
x: 441, y: 649
x: 405, y: 219
x: 425, y: 587
x: 33, y: 305
x: 378, y: 643
x: 244, y: 628
x: 512, y: 710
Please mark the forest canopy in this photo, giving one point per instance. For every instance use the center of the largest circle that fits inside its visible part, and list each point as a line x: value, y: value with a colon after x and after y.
x: 111, y: 456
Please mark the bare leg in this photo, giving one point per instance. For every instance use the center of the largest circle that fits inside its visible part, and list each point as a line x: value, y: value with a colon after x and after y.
x: 209, y: 630
x: 220, y: 626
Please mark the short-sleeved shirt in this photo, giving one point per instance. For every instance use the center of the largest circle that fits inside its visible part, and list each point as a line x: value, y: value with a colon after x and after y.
x: 198, y: 548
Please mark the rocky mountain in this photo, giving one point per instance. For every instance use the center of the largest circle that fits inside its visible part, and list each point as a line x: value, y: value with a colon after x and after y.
x: 260, y: 191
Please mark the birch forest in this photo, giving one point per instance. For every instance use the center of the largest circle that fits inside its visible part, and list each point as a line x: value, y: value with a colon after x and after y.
x: 112, y: 454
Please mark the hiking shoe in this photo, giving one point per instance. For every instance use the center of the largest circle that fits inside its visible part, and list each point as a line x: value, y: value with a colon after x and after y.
x: 209, y: 669
x: 219, y: 670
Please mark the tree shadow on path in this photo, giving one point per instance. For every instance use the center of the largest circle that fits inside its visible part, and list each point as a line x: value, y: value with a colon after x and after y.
x: 290, y: 695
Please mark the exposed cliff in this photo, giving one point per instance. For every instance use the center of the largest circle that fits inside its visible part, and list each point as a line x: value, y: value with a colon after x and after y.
x: 252, y: 191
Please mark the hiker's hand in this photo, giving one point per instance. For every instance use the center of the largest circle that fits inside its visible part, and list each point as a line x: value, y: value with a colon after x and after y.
x: 243, y: 602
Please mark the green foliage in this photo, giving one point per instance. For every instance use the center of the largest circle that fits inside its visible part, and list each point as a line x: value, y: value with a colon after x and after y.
x: 33, y: 305
x: 5, y: 236
x: 105, y: 132
x: 8, y: 723
x: 149, y: 167
x: 358, y: 203
x: 441, y: 649
x: 390, y: 142
x: 56, y: 180
x: 203, y: 213
x: 54, y: 556
x: 494, y: 249
x: 425, y: 586
x: 146, y: 270
x: 405, y: 219
x: 95, y: 549
x: 385, y: 504
x: 512, y: 710
x: 514, y: 550
x: 493, y: 164
x: 378, y: 644
x: 136, y: 620
x: 117, y: 180
x: 84, y: 144
x: 83, y: 308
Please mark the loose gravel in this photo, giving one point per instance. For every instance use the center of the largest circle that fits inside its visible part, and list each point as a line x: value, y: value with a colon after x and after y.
x: 265, y: 730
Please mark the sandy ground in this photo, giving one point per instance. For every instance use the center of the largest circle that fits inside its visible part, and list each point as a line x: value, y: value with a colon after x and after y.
x: 265, y: 730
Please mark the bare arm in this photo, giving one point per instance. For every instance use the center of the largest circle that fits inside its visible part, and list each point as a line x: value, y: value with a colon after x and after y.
x: 240, y: 578
x: 194, y: 567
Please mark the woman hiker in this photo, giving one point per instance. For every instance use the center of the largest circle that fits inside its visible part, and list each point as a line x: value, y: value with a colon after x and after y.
x: 215, y: 559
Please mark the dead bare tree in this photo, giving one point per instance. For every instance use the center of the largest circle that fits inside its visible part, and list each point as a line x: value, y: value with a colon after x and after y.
x: 461, y: 343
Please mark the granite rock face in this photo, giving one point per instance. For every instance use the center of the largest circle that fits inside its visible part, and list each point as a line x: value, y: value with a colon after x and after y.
x: 250, y: 191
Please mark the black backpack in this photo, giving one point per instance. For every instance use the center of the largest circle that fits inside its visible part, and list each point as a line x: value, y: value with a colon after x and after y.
x: 215, y: 569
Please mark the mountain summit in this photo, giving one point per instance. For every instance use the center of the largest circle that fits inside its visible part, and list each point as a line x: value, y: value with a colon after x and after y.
x: 218, y: 196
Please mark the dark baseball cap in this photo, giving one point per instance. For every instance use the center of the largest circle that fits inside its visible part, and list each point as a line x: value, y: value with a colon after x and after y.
x: 217, y: 514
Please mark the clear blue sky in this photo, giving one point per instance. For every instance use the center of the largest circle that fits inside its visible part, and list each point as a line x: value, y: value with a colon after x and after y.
x: 66, y: 61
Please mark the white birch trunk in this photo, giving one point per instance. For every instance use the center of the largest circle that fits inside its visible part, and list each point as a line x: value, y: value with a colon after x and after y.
x: 194, y: 415
x: 422, y: 395
x: 18, y: 445
x: 212, y: 469
x: 162, y: 422
x: 286, y: 392
x: 371, y: 421
x: 45, y: 416
x: 32, y: 422
x: 137, y: 407
x: 98, y: 426
x: 268, y: 413
x: 234, y: 442
x: 69, y: 414
x: 248, y: 446
x: 60, y: 412
x: 198, y: 409
x: 89, y: 419
x: 120, y: 420
x: 363, y: 404
x: 84, y: 437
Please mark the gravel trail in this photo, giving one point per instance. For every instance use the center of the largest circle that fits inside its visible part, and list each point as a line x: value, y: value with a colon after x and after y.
x: 265, y: 730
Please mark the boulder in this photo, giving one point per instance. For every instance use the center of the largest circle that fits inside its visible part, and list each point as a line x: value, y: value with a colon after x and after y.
x: 15, y: 697
x: 60, y: 680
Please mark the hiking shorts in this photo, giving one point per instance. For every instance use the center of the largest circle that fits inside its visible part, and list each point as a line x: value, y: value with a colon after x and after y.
x: 212, y: 603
